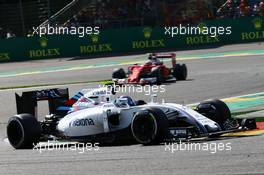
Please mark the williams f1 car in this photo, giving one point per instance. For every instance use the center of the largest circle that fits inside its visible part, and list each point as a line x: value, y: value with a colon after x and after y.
x: 152, y: 72
x: 114, y: 120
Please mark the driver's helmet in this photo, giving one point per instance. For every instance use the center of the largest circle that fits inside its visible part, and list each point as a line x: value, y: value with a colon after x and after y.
x: 130, y: 101
x: 152, y: 57
x: 124, y: 101
x: 95, y: 99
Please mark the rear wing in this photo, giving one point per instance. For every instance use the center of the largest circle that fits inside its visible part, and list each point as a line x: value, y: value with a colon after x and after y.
x: 27, y: 102
x: 164, y: 55
x: 167, y: 55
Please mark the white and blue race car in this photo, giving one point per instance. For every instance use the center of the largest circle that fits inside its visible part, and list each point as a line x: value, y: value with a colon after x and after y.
x: 96, y: 116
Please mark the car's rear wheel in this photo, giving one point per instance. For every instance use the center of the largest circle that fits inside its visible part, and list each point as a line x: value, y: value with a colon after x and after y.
x: 118, y: 73
x: 215, y: 110
x: 180, y: 72
x: 149, y: 126
x: 23, y: 131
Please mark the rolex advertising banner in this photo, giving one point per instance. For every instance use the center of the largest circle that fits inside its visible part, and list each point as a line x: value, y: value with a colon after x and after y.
x: 132, y: 40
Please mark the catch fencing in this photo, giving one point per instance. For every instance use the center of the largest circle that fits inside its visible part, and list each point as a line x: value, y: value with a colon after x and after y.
x: 127, y: 40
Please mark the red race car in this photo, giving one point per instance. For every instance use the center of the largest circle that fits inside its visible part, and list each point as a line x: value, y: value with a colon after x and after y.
x: 152, y: 72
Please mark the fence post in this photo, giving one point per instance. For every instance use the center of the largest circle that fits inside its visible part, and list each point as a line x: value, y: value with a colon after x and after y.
x: 22, y: 16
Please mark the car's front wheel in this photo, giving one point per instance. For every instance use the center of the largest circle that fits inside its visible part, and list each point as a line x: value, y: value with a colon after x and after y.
x: 149, y: 126
x: 215, y: 110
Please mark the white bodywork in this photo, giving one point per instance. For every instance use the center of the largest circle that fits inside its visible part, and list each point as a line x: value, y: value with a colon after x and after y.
x: 92, y: 98
x: 92, y: 121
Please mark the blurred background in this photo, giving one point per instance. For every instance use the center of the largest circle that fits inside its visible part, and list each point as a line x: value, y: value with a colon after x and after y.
x: 17, y: 17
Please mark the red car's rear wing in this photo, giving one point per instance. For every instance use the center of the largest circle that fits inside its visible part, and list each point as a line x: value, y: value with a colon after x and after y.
x: 167, y: 55
x: 164, y: 55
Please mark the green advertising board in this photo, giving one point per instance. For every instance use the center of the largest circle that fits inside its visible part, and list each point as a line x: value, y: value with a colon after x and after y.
x: 128, y: 40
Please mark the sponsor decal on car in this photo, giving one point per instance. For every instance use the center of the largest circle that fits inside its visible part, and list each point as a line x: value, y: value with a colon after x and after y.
x: 102, y: 92
x: 83, y: 122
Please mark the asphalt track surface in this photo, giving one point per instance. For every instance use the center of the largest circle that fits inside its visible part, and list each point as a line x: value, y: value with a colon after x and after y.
x: 208, y: 78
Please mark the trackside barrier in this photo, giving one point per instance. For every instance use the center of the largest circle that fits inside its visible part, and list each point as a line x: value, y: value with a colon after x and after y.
x: 127, y: 40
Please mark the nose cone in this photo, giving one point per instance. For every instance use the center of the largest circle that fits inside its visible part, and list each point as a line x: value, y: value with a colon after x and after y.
x: 213, y: 128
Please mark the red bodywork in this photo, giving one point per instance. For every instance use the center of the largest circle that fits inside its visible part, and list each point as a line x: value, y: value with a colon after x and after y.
x: 137, y: 70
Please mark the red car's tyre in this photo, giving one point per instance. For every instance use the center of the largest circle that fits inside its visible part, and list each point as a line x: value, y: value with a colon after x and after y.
x: 180, y: 72
x: 119, y: 73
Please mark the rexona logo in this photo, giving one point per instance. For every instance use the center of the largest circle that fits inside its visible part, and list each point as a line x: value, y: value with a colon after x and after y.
x: 257, y: 34
x: 148, y: 42
x: 83, y: 122
x: 4, y: 56
x: 95, y: 47
x: 44, y: 51
x: 201, y: 39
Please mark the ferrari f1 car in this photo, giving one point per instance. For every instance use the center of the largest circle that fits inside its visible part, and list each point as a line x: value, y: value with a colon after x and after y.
x: 119, y: 120
x: 152, y: 72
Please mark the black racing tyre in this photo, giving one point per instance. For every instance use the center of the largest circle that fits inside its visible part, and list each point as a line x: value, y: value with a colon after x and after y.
x: 180, y: 72
x: 119, y: 73
x: 215, y: 110
x: 23, y: 131
x: 149, y: 126
x: 156, y: 72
